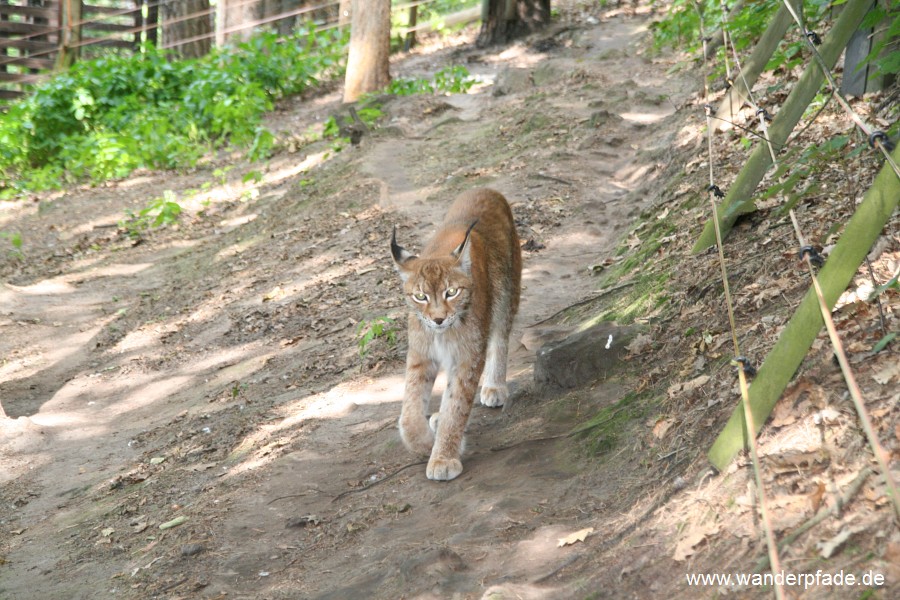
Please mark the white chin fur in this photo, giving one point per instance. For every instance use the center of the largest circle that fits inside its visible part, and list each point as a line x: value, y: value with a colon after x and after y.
x: 432, y: 326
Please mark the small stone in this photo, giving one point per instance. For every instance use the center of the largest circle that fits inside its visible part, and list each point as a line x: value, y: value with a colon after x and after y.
x: 192, y: 549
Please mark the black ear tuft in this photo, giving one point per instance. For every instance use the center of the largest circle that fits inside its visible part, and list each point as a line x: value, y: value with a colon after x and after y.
x: 400, y: 254
x: 459, y: 249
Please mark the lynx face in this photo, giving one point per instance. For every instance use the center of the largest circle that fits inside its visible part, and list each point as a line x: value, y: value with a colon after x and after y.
x: 438, y: 289
x: 438, y: 293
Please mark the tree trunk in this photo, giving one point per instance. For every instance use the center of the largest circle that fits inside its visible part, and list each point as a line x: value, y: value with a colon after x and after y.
x: 508, y: 19
x: 370, y: 47
x: 194, y: 31
x: 238, y: 13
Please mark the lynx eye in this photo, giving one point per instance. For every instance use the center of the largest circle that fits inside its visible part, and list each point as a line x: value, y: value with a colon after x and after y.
x: 420, y: 297
x: 451, y: 293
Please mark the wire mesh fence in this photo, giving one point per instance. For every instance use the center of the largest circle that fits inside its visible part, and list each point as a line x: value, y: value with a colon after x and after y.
x: 39, y: 36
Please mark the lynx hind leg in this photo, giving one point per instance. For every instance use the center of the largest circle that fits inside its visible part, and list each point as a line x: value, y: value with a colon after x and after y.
x: 494, y: 392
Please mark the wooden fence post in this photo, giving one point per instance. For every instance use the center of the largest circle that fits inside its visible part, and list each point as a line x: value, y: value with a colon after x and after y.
x: 860, y: 78
x: 411, y: 34
x: 70, y: 34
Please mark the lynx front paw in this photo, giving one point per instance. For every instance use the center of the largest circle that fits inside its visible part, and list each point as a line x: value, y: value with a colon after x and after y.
x: 494, y: 396
x: 416, y: 436
x: 443, y: 469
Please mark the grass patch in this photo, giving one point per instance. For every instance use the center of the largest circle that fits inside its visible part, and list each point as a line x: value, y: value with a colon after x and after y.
x: 604, y: 431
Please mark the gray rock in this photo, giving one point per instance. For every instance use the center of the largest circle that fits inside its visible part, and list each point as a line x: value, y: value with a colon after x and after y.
x: 512, y: 81
x: 582, y: 357
x: 192, y: 549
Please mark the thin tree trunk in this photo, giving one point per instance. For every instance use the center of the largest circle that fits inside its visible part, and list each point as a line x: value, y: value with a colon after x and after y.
x: 237, y: 14
x: 370, y: 47
x: 195, y: 31
x: 344, y: 10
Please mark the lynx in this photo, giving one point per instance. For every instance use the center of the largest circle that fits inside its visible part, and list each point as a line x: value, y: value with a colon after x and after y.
x: 464, y: 293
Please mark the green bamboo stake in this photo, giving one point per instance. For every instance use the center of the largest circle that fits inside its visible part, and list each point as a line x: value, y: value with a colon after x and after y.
x: 753, y: 67
x: 739, y: 199
x: 780, y: 365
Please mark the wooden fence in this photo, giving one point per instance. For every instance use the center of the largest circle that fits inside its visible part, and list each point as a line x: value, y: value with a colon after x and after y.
x: 38, y: 36
x: 33, y: 32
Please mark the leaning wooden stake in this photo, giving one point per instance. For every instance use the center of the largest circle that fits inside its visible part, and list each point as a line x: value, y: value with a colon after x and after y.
x: 762, y: 52
x: 739, y: 199
x: 881, y: 455
x: 860, y: 233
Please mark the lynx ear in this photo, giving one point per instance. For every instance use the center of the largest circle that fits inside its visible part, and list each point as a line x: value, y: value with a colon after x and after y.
x: 401, y: 255
x: 462, y: 252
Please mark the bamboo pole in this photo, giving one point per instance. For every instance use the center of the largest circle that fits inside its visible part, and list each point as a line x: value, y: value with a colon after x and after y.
x: 860, y: 233
x: 753, y: 67
x: 739, y: 199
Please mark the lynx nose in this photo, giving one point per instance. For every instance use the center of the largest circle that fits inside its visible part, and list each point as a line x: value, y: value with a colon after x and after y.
x: 438, y: 321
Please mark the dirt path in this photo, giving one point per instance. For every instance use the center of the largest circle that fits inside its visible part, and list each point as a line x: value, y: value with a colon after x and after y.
x: 211, y: 372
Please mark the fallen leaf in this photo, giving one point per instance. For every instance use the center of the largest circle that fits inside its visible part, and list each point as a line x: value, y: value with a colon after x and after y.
x: 885, y: 375
x: 796, y: 402
x: 686, y: 546
x: 640, y: 343
x: 303, y: 521
x: 891, y: 557
x: 688, y: 386
x: 199, y: 467
x: 173, y: 523
x: 275, y: 294
x: 815, y: 499
x: 792, y: 460
x: 661, y: 427
x: 107, y: 532
x: 578, y: 536
x: 140, y: 527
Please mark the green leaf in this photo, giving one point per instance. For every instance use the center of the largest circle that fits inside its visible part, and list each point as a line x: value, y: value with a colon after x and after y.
x: 883, y: 342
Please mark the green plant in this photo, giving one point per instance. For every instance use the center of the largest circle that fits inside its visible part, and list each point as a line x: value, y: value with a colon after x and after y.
x: 334, y: 127
x: 455, y: 79
x: 796, y: 167
x: 105, y: 117
x: 680, y: 28
x: 161, y: 211
x: 15, y: 240
x: 378, y: 327
x: 254, y: 176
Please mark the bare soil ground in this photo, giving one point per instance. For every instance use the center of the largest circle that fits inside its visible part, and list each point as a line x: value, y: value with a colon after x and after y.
x: 190, y: 416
